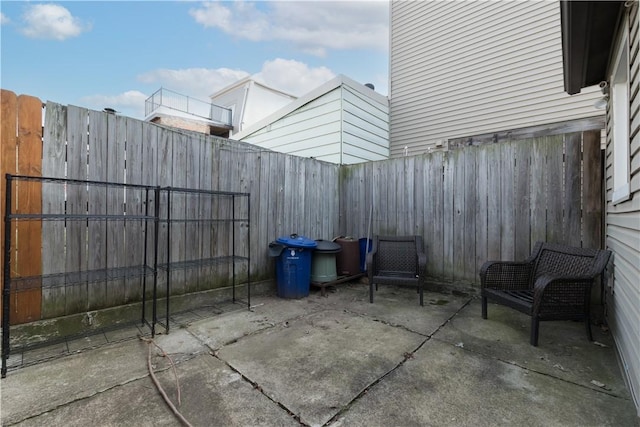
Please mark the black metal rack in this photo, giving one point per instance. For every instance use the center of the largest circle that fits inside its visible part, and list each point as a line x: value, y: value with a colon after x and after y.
x: 135, y: 224
x: 222, y: 212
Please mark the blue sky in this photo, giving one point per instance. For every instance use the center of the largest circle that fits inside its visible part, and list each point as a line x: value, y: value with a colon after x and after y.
x: 115, y: 54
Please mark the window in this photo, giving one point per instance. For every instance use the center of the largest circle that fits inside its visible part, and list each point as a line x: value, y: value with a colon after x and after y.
x: 619, y: 92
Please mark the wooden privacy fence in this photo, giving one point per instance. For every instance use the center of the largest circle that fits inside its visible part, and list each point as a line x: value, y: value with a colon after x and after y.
x: 288, y: 195
x: 21, y: 153
x: 492, y: 201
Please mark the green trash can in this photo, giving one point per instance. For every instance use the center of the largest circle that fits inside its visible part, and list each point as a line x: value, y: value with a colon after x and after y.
x: 323, y: 264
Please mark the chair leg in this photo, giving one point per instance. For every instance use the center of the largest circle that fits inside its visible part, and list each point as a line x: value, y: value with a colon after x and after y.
x: 484, y: 307
x: 421, y: 295
x: 371, y: 291
x: 535, y: 326
x: 588, y: 322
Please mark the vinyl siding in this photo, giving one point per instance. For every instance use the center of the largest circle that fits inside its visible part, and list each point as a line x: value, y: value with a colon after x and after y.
x: 311, y: 131
x: 343, y: 125
x: 365, y: 128
x: 623, y: 234
x: 460, y: 69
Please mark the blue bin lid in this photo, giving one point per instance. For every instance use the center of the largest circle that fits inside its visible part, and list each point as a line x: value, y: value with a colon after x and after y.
x: 295, y: 241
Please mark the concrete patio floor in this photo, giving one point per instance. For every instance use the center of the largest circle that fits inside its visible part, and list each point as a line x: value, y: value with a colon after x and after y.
x: 335, y: 361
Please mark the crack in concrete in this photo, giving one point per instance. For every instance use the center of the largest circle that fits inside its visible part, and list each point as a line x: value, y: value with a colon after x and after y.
x: 259, y: 388
x: 526, y: 368
x: 78, y: 399
x: 407, y: 356
x: 529, y: 369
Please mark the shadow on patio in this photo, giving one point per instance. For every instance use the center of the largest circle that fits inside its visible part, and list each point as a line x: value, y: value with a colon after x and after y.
x: 336, y: 360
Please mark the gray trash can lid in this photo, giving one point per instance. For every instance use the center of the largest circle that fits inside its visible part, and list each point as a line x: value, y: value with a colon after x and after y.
x: 327, y: 247
x: 295, y: 241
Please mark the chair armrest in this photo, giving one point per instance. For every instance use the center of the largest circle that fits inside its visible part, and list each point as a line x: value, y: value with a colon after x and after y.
x: 552, y: 292
x: 507, y: 275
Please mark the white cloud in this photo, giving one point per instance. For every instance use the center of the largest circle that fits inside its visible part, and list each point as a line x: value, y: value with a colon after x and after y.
x: 196, y: 82
x: 51, y: 21
x: 130, y: 103
x: 312, y: 26
x: 292, y: 76
x: 4, y: 19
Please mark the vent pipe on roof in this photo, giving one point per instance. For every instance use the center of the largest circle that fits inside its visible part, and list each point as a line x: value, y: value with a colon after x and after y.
x: 370, y: 86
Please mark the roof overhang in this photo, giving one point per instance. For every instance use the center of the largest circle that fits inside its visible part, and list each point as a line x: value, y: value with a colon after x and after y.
x: 588, y: 34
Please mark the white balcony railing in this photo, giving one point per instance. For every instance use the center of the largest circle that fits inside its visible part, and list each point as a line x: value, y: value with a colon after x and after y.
x: 169, y: 99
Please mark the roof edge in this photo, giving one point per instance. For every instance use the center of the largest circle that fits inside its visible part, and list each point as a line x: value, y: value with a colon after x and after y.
x: 308, y: 97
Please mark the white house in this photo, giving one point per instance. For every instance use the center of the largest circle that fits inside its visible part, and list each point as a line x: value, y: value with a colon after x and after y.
x: 461, y: 69
x: 250, y: 101
x: 600, y: 41
x: 341, y: 121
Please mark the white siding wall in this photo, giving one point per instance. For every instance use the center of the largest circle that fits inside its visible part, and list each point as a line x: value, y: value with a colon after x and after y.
x: 466, y: 68
x: 623, y: 233
x: 310, y: 131
x: 233, y: 99
x: 262, y: 102
x: 344, y: 125
x: 365, y: 128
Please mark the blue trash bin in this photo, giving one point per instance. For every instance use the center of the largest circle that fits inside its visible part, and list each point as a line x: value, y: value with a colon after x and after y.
x: 293, y: 265
x: 364, y: 250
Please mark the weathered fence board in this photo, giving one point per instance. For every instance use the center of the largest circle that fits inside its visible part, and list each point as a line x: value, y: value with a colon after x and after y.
x: 76, y: 231
x: 116, y: 239
x: 492, y: 201
x: 435, y: 167
x: 508, y: 201
x: 164, y: 179
x: 192, y: 205
x: 538, y: 190
x: 205, y: 210
x: 458, y: 215
x: 97, y: 230
x: 522, y: 218
x: 469, y: 204
x: 178, y: 212
x: 469, y: 214
x: 53, y: 201
x: 592, y: 196
x: 555, y: 188
x: 572, y: 179
x: 482, y: 250
x: 134, y: 206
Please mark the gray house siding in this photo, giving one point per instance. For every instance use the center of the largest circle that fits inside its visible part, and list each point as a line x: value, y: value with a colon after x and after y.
x: 310, y: 131
x: 341, y: 123
x: 460, y: 69
x: 623, y: 230
x: 365, y: 128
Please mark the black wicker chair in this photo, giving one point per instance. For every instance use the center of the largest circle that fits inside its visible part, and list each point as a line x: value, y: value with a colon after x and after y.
x: 396, y: 260
x: 554, y: 283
